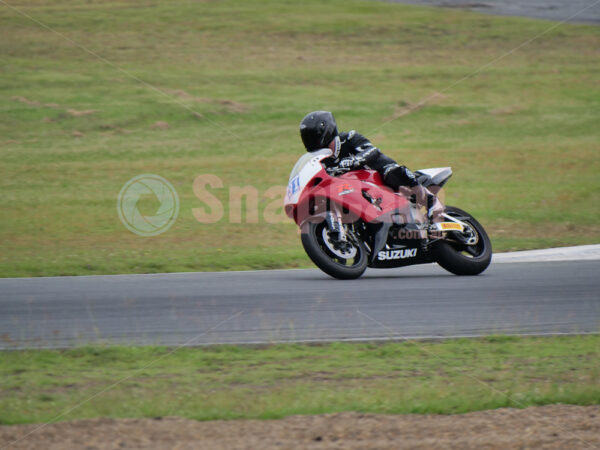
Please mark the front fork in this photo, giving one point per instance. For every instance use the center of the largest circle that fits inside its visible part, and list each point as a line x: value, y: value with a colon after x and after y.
x: 335, y: 224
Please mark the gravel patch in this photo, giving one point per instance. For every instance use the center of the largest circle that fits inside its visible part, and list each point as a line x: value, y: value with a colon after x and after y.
x: 546, y: 427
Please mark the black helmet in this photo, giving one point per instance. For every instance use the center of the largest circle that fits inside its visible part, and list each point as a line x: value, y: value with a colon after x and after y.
x: 317, y: 130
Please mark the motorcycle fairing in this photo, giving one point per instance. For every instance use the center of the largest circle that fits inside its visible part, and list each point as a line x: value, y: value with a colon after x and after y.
x: 311, y: 193
x: 351, y: 192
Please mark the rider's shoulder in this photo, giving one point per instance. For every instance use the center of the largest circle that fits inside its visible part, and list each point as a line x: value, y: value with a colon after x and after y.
x: 345, y: 135
x: 358, y: 139
x: 351, y: 136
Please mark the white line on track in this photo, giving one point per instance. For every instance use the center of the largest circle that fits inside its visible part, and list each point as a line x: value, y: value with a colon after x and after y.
x: 578, y: 253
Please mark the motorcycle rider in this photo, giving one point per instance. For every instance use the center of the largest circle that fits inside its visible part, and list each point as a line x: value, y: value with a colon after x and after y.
x: 353, y: 151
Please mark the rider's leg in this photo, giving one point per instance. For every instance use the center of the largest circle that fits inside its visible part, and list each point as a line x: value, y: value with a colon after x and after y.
x: 397, y: 176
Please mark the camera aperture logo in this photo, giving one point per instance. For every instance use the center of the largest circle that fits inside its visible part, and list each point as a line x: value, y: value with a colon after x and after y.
x: 163, y: 198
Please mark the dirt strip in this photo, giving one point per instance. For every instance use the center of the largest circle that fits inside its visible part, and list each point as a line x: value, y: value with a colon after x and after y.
x: 547, y: 427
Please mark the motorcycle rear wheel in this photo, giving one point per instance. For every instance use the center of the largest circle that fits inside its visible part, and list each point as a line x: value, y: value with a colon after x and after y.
x: 460, y: 258
x: 321, y: 249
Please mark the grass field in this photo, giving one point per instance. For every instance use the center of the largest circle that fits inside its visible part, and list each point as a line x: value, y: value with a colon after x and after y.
x: 187, y: 88
x: 453, y: 376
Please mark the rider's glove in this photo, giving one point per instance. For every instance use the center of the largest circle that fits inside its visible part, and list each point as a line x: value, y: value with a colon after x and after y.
x: 349, y: 163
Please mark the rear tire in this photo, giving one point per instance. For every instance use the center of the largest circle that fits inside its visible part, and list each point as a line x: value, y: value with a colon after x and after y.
x: 321, y: 254
x: 462, y: 259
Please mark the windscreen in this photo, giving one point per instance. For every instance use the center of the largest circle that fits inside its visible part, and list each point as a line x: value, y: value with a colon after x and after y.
x: 304, y: 159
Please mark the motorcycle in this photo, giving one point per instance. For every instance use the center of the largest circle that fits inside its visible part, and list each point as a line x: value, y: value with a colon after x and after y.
x: 350, y: 220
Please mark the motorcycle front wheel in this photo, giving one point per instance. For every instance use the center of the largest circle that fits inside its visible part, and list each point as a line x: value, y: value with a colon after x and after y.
x: 468, y: 253
x: 345, y: 260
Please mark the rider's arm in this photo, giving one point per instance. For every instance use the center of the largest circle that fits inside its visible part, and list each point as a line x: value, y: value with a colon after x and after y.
x: 365, y: 153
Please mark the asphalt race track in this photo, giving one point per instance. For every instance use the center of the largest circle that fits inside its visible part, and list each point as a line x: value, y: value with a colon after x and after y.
x: 299, y: 305
x: 577, y: 11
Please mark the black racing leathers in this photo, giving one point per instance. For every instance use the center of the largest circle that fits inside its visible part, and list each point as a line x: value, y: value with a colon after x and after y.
x: 356, y: 151
x: 366, y: 155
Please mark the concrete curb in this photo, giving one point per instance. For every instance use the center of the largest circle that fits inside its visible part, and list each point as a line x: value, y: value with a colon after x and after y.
x: 578, y: 253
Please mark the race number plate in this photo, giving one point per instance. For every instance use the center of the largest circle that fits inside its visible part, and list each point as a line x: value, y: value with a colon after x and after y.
x: 450, y: 226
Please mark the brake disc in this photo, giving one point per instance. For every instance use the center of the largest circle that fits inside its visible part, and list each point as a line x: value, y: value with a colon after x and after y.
x: 341, y: 249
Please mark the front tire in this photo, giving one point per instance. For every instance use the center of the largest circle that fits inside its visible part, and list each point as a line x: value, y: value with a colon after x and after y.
x: 345, y: 263
x: 458, y: 256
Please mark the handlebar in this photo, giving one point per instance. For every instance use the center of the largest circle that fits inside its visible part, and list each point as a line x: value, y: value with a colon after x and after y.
x: 333, y: 171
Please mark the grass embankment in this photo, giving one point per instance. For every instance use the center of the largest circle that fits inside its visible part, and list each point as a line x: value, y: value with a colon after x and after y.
x: 521, y: 135
x: 453, y: 376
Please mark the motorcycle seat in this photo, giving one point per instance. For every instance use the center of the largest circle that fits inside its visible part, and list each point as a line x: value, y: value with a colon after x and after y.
x: 433, y: 177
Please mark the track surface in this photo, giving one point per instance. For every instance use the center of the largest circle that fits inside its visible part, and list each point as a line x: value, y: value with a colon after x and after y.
x: 577, y: 11
x: 299, y: 305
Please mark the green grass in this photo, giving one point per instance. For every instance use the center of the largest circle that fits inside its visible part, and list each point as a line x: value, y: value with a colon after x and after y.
x: 453, y: 376
x: 522, y: 135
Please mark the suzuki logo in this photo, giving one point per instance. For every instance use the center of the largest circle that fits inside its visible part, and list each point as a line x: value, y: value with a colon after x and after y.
x: 397, y: 254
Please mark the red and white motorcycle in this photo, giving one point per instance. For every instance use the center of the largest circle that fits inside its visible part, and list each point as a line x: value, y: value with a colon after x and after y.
x: 352, y: 220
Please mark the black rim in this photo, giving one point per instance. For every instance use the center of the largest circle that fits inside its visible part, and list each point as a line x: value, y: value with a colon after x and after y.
x: 459, y: 240
x: 336, y: 258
